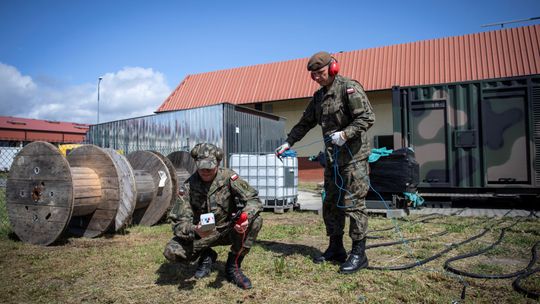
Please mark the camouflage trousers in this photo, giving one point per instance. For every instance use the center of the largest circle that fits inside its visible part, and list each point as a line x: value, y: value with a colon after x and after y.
x: 180, y: 250
x: 346, y: 196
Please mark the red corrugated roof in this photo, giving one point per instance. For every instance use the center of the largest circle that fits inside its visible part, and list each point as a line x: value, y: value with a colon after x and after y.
x: 487, y: 55
x: 17, y: 123
x: 26, y: 129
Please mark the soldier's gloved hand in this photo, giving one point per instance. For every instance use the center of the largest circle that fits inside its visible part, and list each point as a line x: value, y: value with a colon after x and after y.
x: 281, y: 149
x: 242, y: 228
x: 338, y: 138
x: 202, y: 233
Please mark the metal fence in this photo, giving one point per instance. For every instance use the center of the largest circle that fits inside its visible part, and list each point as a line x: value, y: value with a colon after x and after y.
x: 7, y: 154
x: 5, y: 226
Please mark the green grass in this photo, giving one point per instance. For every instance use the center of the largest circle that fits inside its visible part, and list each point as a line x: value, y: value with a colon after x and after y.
x: 487, y: 268
x: 456, y: 228
x: 129, y: 267
x: 532, y: 282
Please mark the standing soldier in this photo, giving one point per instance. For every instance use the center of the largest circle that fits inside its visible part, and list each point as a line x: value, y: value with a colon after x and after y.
x: 343, y: 110
x: 213, y: 190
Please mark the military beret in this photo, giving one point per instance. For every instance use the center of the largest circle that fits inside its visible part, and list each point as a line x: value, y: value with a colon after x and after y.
x: 319, y: 60
x: 206, y: 156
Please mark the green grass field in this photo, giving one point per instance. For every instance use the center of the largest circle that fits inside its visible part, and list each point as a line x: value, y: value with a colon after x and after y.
x: 130, y: 267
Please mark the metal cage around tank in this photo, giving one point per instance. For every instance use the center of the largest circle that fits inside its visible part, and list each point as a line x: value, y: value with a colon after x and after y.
x: 275, y: 179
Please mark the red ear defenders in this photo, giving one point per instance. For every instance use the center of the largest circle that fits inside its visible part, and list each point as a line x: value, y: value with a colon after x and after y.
x: 333, y: 68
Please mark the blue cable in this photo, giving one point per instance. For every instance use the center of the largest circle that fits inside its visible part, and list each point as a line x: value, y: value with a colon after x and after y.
x: 404, y: 241
x: 303, y: 146
x: 396, y: 225
x: 398, y: 231
x: 340, y: 187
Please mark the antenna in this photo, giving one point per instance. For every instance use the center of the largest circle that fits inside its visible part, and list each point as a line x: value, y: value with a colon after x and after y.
x: 507, y: 22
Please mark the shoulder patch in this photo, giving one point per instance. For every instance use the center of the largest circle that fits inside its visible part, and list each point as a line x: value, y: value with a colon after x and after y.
x: 234, y: 177
x: 350, y: 90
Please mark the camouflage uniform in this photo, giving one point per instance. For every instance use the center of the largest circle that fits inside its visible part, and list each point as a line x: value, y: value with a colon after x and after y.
x: 197, y: 197
x: 343, y: 106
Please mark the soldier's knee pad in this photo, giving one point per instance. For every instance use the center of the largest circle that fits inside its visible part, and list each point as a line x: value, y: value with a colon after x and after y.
x: 256, y: 225
x: 168, y: 254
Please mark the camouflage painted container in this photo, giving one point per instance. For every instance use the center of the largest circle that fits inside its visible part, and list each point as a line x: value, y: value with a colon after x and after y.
x: 475, y: 137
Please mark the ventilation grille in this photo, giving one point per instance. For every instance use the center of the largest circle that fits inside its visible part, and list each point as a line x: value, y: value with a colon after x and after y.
x: 536, y: 123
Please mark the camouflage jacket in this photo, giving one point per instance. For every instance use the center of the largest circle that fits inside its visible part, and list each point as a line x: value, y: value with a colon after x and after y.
x: 342, y: 107
x: 196, y: 197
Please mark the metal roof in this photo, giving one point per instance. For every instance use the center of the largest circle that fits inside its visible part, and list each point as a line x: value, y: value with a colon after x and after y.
x: 27, y: 129
x: 487, y: 55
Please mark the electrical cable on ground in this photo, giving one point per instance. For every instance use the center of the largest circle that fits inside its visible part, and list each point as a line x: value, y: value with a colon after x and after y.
x: 408, y: 240
x: 521, y: 275
x: 431, y: 258
x: 423, y: 219
x: 519, y: 288
x: 450, y: 268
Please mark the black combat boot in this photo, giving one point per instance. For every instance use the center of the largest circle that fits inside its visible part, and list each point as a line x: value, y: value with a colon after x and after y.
x: 334, y: 252
x: 207, y: 258
x: 233, y: 273
x: 357, y: 259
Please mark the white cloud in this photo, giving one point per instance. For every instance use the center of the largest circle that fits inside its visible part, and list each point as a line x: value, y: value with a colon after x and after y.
x: 130, y: 92
x: 16, y: 90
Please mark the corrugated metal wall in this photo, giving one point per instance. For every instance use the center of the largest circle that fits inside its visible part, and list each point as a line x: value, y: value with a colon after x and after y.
x: 535, y: 96
x: 165, y: 132
x: 235, y: 129
x: 251, y: 131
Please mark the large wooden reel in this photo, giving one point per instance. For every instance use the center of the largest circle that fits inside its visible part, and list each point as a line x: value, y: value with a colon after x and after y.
x: 93, y: 214
x: 47, y: 193
x: 172, y: 171
x: 152, y: 174
x: 184, y: 165
x: 127, y: 187
x: 91, y: 191
x: 39, y: 194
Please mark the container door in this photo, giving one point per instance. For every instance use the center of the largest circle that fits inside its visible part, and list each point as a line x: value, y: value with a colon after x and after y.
x: 428, y: 129
x: 505, y: 136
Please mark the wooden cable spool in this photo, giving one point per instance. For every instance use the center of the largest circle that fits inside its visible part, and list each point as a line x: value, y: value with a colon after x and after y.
x: 174, y: 177
x: 128, y: 190
x: 47, y: 193
x: 184, y: 165
x: 93, y: 223
x: 89, y: 192
x: 140, y: 191
x: 156, y: 187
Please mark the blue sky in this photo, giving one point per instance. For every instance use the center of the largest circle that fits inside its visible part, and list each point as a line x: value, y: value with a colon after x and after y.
x: 53, y: 52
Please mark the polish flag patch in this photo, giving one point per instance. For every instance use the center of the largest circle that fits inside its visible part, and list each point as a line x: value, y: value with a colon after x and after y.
x: 350, y: 90
x: 234, y: 177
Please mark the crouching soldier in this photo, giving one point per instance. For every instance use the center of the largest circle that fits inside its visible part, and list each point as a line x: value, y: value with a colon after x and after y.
x: 212, y: 192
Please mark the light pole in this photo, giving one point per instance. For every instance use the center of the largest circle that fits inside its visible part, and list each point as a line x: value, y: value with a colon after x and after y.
x: 99, y: 81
